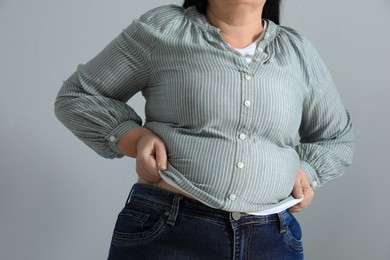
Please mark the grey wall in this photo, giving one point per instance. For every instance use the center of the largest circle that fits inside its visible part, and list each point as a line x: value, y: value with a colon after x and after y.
x: 59, y: 200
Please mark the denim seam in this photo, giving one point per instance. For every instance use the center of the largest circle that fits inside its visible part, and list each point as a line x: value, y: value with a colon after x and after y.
x: 134, y: 214
x: 256, y: 222
x: 295, y: 244
x: 141, y: 237
x: 196, y: 216
x: 159, y: 205
x: 248, y: 241
x: 174, y: 211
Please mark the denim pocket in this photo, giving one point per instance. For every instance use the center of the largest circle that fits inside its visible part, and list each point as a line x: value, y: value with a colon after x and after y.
x: 138, y: 224
x: 293, y: 234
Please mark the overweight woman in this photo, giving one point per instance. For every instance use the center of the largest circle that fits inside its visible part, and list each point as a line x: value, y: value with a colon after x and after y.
x: 228, y: 91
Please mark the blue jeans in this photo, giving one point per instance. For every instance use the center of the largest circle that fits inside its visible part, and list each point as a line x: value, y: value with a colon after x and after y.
x: 158, y: 224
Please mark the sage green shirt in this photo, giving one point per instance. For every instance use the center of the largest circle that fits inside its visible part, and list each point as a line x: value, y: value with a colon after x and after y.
x: 229, y: 126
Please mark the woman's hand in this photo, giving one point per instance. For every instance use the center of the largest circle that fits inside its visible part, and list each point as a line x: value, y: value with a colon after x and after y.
x: 302, y: 188
x: 151, y: 158
x: 149, y: 151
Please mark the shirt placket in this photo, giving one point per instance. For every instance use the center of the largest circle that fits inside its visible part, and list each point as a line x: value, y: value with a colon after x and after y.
x: 242, y: 164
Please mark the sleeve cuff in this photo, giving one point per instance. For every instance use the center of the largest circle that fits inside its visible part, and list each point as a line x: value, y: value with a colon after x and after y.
x: 115, y: 135
x: 311, y: 174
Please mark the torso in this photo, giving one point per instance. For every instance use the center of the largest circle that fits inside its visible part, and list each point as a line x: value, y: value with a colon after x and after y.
x: 164, y: 185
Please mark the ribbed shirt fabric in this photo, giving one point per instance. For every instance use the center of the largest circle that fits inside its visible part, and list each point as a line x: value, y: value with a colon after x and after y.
x: 248, y: 52
x: 229, y: 126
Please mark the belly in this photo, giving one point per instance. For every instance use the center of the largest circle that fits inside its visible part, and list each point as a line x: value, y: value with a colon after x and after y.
x: 165, y: 186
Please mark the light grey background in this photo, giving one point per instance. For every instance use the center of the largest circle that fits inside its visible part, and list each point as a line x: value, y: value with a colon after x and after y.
x: 59, y: 200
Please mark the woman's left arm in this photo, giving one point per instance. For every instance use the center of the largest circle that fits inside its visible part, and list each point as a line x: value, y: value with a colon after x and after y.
x: 326, y: 148
x: 326, y: 137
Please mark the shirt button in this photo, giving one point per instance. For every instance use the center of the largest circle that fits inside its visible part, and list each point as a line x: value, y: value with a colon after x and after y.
x: 248, y: 77
x: 112, y: 139
x: 240, y: 165
x: 232, y: 197
x: 257, y: 60
x: 314, y: 184
x: 247, y: 103
x: 260, y: 49
x: 242, y: 136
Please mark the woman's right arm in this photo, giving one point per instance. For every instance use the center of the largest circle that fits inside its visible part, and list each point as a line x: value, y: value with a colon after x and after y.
x: 92, y: 101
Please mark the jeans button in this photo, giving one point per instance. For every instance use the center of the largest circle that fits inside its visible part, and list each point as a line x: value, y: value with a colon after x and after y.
x: 236, y: 215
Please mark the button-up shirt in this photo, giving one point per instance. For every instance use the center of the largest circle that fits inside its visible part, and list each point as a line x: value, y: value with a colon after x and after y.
x: 229, y: 126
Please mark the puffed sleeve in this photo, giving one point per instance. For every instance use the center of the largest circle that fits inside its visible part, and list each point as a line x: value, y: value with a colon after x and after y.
x: 326, y: 135
x: 92, y: 101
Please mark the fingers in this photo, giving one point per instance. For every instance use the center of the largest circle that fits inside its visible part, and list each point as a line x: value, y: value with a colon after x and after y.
x: 297, y: 190
x: 147, y: 169
x: 302, y: 187
x: 308, y: 198
x: 151, y: 157
x: 161, y: 156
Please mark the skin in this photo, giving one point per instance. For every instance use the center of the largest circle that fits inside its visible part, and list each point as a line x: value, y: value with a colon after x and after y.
x: 241, y: 24
x: 240, y: 21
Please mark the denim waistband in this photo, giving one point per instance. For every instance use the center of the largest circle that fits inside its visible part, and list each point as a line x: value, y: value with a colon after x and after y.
x: 173, y: 203
x: 158, y: 197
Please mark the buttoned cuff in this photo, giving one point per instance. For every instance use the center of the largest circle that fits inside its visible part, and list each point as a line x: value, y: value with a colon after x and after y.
x: 311, y: 174
x: 115, y: 135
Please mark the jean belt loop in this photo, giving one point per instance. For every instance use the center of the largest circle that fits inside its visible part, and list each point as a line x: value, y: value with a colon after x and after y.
x: 129, y: 197
x: 282, y: 222
x: 174, y: 210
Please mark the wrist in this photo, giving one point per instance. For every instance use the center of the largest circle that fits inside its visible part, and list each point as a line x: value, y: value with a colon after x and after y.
x: 311, y: 174
x: 128, y: 143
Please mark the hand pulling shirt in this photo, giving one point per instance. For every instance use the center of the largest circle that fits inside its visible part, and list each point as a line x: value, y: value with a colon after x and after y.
x: 229, y: 125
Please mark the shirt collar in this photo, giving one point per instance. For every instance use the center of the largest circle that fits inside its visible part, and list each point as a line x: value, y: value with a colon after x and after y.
x: 193, y: 14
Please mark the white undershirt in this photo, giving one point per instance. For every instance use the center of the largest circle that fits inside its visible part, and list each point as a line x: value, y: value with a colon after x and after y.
x: 248, y: 52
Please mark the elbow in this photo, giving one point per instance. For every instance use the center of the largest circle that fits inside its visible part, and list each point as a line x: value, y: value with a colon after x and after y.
x: 349, y: 152
x: 57, y: 108
x: 60, y: 109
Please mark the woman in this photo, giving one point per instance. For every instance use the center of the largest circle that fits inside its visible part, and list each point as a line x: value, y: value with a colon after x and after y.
x: 227, y: 92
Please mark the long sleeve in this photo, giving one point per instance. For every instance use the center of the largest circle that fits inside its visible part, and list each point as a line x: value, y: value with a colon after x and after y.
x: 92, y: 101
x: 326, y: 137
